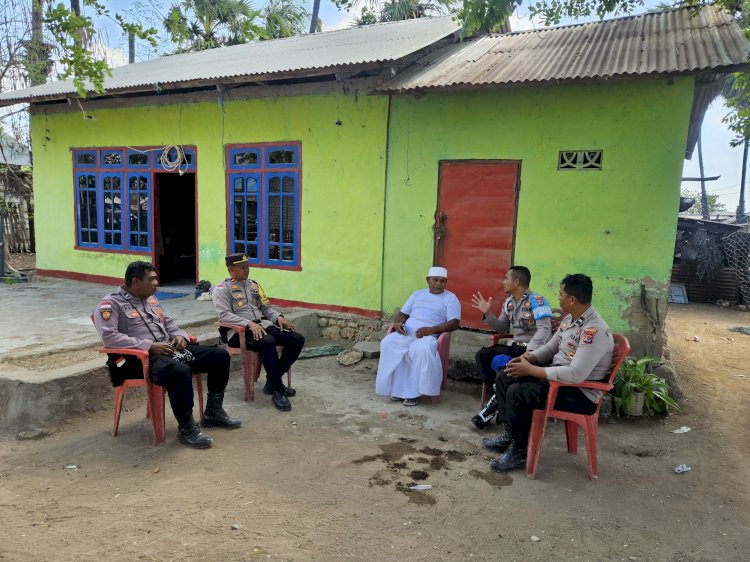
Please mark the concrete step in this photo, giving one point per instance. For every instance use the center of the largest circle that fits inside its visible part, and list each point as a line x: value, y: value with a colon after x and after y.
x: 462, y: 365
x: 471, y: 338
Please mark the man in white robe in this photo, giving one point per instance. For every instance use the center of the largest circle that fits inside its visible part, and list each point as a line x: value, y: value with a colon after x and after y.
x: 409, y: 363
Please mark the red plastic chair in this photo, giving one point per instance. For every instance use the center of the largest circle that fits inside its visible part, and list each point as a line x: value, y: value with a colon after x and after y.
x: 444, y: 352
x: 557, y: 316
x: 251, y: 362
x: 155, y: 394
x: 588, y: 424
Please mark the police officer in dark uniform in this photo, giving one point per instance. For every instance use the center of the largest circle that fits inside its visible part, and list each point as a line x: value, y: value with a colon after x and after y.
x: 527, y: 315
x: 132, y: 318
x: 580, y: 350
x: 242, y: 301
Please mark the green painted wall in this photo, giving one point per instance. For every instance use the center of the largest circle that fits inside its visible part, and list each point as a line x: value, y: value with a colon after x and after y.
x: 343, y: 170
x: 617, y: 225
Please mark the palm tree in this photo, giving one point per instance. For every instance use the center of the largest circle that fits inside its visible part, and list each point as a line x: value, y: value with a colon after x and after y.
x: 397, y: 10
x: 284, y: 18
x: 195, y: 25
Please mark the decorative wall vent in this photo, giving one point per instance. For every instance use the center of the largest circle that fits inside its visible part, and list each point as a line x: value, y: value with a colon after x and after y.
x: 580, y: 160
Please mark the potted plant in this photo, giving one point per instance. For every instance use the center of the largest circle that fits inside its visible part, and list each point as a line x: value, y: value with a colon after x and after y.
x: 638, y: 391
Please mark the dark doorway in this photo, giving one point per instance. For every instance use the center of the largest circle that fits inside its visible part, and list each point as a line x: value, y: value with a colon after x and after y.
x: 175, y: 227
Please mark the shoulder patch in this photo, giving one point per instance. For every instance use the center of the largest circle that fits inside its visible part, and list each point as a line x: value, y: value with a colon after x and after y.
x: 540, y: 307
x: 152, y: 300
x: 588, y: 335
x: 106, y: 313
x: 262, y: 294
x: 220, y: 285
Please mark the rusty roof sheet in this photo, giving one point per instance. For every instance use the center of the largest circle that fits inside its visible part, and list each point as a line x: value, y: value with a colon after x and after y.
x: 304, y: 54
x: 672, y: 41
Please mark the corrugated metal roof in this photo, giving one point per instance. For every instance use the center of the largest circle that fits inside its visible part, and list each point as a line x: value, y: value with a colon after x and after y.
x: 673, y: 41
x: 341, y: 48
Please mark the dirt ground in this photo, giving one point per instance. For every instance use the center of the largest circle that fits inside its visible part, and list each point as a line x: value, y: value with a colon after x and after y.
x: 329, y: 480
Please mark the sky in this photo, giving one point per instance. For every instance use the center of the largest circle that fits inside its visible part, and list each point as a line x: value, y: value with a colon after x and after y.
x: 719, y: 158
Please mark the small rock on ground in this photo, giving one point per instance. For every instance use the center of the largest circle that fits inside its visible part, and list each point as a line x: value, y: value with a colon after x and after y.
x: 369, y: 349
x: 349, y: 357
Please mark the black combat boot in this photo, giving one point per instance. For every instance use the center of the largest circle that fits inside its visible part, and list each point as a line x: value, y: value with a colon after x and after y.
x: 512, y: 459
x: 215, y: 416
x: 268, y: 390
x: 483, y: 418
x: 499, y: 443
x: 190, y: 434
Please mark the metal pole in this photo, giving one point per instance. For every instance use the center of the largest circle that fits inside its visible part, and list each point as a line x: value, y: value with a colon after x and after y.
x: 740, y: 215
x: 2, y: 248
x: 131, y: 47
x: 704, y: 195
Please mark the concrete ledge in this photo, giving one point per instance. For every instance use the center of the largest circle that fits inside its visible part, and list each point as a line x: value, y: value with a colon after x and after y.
x: 70, y: 391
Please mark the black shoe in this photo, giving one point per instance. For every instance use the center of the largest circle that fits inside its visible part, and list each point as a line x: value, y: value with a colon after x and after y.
x: 281, y: 402
x: 499, y: 443
x: 512, y: 459
x: 484, y: 418
x: 190, y: 434
x: 215, y: 416
x: 478, y: 422
x: 268, y: 390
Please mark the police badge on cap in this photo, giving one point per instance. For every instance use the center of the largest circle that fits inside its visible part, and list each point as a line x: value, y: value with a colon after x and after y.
x: 236, y: 259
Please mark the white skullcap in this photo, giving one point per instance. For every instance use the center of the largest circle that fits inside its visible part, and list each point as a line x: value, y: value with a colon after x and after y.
x: 438, y: 272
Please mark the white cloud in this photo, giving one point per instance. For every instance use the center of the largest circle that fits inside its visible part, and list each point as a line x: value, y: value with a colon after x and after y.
x: 345, y: 22
x: 524, y: 23
x: 115, y: 57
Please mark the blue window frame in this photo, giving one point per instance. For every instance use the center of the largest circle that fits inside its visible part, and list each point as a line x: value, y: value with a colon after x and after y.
x: 139, y: 211
x: 113, y: 195
x: 244, y: 214
x: 87, y: 209
x: 111, y: 158
x: 111, y: 219
x: 137, y: 159
x: 281, y: 218
x: 264, y: 203
x: 186, y: 163
x: 86, y: 159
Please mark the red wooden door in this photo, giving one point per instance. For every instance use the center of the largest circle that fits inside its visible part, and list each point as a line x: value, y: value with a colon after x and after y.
x: 474, y: 230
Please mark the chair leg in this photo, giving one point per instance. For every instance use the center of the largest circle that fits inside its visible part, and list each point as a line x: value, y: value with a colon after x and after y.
x: 250, y: 371
x: 156, y: 398
x: 289, y: 377
x: 436, y: 399
x: 484, y: 396
x: 119, y: 395
x: 571, y: 436
x: 536, y: 436
x: 592, y: 428
x: 199, y: 388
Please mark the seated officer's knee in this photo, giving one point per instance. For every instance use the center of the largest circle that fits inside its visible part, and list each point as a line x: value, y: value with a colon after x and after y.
x: 485, y: 355
x: 221, y: 355
x: 177, y: 373
x: 298, y: 339
x: 267, y: 340
x: 513, y: 394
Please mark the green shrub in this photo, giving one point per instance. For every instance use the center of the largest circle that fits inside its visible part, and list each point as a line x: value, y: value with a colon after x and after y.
x: 635, y: 376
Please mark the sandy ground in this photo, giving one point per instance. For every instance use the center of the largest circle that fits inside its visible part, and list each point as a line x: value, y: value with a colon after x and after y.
x: 329, y: 480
